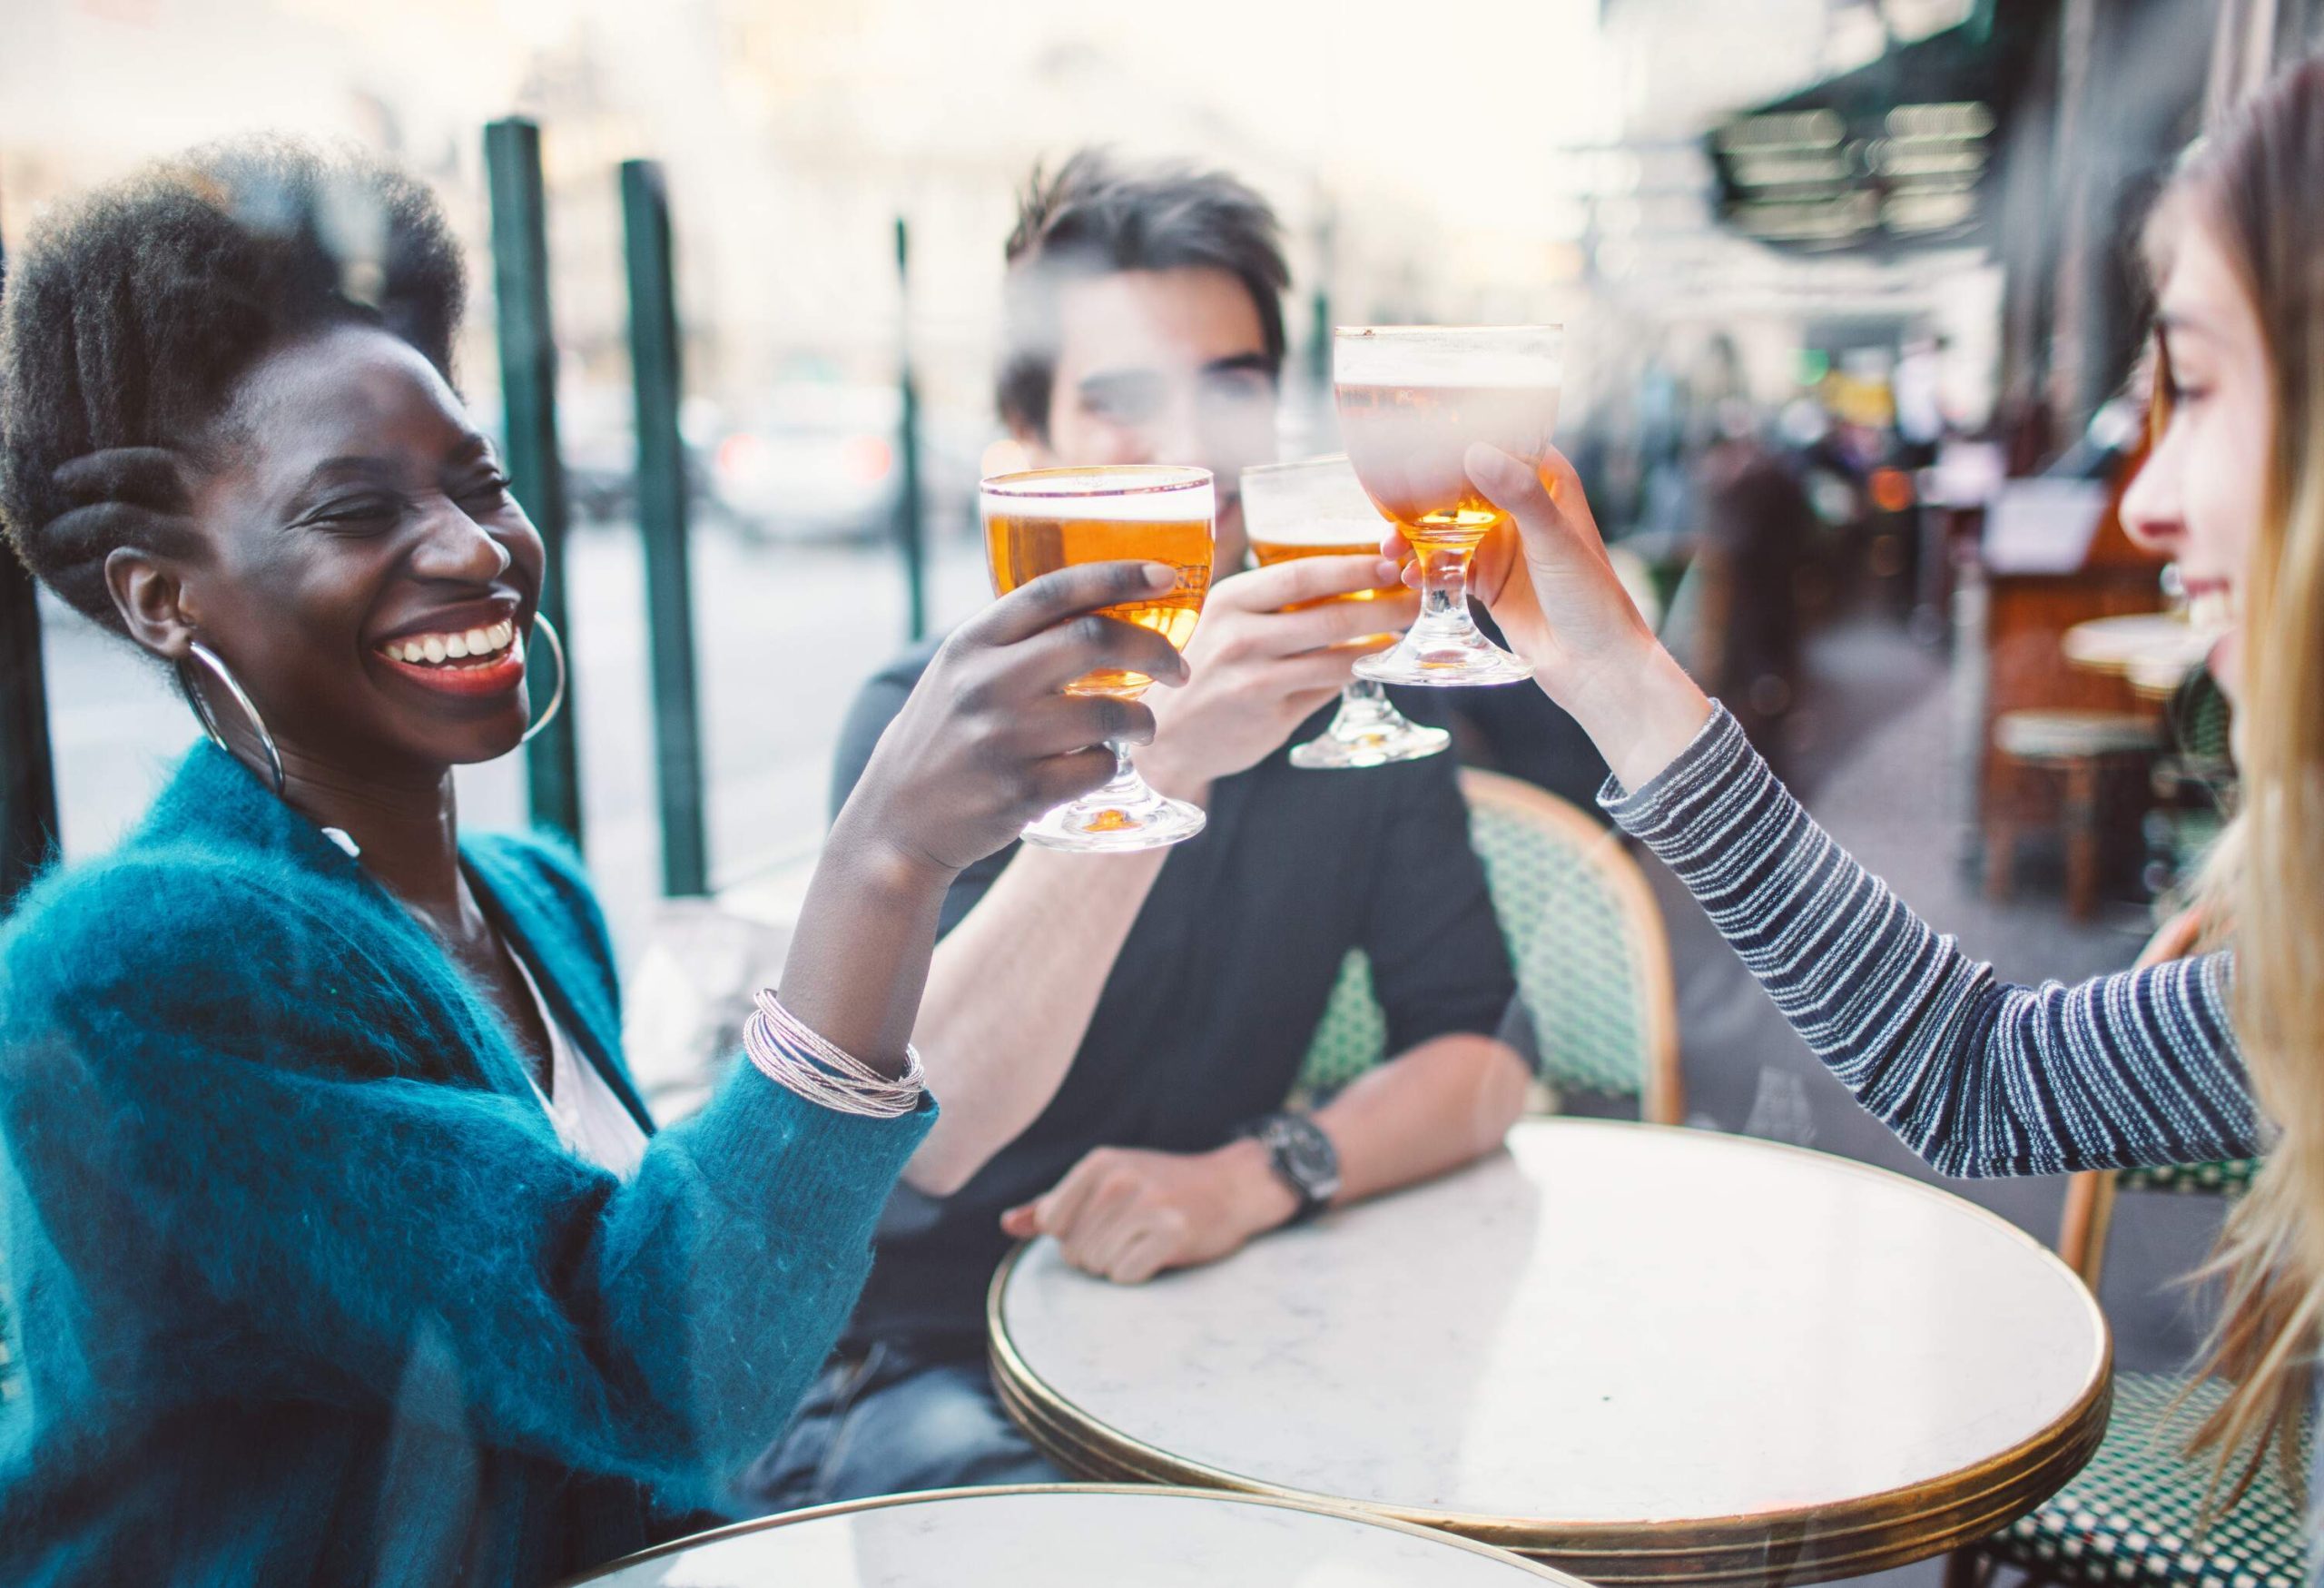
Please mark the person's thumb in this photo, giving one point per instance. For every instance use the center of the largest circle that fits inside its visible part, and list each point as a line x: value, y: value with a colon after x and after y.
x: 1021, y: 1223
x: 1516, y: 488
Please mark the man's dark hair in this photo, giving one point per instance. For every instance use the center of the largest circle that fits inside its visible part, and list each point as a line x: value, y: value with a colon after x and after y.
x: 1096, y: 216
x: 126, y: 321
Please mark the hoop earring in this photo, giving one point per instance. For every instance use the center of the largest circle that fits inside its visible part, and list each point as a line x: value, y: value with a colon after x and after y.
x: 547, y: 631
x: 197, y: 651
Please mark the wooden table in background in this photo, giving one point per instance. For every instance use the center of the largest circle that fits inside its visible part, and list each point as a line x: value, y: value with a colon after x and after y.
x: 2025, y: 619
x: 1640, y: 1353
x: 2152, y: 652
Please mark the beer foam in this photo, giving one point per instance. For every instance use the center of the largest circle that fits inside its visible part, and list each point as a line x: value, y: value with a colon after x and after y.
x: 1524, y: 357
x: 1316, y: 501
x: 1325, y: 527
x: 1120, y: 496
x: 1319, y: 502
x: 1444, y: 368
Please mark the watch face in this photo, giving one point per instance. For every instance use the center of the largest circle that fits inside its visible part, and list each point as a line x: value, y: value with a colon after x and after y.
x: 1307, y: 1157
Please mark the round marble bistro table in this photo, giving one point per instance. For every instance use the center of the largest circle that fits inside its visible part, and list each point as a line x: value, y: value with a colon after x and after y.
x: 1061, y: 1536
x: 1644, y: 1355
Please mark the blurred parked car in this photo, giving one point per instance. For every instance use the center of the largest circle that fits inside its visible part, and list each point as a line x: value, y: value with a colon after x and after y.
x: 810, y: 461
x: 599, y: 446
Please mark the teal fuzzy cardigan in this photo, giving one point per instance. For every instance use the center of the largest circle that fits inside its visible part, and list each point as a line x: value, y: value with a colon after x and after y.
x: 303, y: 1287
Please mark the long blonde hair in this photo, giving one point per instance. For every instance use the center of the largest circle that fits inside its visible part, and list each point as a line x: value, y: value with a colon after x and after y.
x: 2253, y: 186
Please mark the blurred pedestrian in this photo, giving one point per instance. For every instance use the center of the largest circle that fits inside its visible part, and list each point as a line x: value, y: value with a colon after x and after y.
x: 1745, y: 618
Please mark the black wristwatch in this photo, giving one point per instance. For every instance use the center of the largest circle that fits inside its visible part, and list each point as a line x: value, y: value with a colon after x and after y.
x: 1302, y: 1157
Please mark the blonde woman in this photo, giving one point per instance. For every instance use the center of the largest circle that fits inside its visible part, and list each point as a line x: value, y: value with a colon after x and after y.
x: 2174, y: 1062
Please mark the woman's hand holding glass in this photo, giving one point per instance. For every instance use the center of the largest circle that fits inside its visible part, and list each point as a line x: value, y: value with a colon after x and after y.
x: 990, y: 739
x: 1546, y: 579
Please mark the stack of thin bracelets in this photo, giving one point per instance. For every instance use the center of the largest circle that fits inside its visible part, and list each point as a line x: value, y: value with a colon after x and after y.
x: 795, y: 1059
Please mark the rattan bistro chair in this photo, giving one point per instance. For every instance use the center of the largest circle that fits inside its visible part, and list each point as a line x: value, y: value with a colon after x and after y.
x: 2132, y: 1515
x: 1593, y: 965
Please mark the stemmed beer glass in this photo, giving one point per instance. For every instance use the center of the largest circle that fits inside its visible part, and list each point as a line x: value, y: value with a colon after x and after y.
x: 1317, y: 509
x: 1045, y: 519
x: 1411, y: 399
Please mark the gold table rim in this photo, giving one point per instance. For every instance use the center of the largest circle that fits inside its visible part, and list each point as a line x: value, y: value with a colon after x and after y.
x: 1339, y: 1513
x: 1887, y: 1519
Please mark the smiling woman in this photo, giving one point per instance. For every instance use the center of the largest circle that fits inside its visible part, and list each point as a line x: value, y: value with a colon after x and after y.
x: 395, y: 541
x: 339, y: 1245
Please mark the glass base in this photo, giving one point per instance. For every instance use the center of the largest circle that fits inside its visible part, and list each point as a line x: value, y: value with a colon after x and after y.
x: 1447, y: 658
x: 1124, y: 815
x: 1368, y: 732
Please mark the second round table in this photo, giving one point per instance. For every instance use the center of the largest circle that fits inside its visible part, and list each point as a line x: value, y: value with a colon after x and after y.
x: 1069, y: 1536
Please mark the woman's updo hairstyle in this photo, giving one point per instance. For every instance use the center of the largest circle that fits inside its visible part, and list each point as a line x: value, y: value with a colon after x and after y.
x: 129, y: 317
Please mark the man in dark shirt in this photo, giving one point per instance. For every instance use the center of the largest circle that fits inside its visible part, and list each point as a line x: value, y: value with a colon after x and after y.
x: 1136, y: 1022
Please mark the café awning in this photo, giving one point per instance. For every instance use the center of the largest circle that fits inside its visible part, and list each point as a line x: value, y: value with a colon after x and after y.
x: 1893, y: 155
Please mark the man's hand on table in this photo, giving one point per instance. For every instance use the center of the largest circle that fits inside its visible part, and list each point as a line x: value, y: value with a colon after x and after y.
x: 1127, y: 1213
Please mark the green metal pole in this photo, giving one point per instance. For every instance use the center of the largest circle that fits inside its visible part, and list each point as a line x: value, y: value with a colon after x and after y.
x: 1319, y: 311
x: 911, y: 526
x: 662, y: 519
x: 28, y: 825
x: 1319, y: 341
x: 512, y: 159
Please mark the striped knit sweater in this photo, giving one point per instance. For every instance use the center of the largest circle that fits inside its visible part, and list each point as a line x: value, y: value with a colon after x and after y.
x: 1976, y: 1076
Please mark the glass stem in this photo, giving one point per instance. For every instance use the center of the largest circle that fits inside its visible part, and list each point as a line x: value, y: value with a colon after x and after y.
x: 1445, y: 584
x: 1122, y: 790
x: 1444, y: 592
x: 1364, y: 709
x: 1124, y: 782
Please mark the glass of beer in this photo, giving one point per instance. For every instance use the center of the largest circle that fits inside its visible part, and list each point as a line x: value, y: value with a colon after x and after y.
x: 1412, y: 401
x: 1317, y: 509
x: 1037, y: 522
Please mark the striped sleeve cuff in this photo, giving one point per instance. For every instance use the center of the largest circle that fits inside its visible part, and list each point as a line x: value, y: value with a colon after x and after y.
x: 1659, y: 812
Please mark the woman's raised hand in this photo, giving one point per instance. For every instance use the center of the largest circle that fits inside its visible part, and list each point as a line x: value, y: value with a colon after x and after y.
x: 989, y: 740
x: 1548, y: 580
x: 1555, y: 595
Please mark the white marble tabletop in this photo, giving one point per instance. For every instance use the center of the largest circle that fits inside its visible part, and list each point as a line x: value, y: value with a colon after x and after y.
x: 1635, y: 1350
x: 1061, y: 1537
x: 2116, y: 644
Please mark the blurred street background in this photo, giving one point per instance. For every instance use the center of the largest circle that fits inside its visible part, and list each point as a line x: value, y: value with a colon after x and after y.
x: 1570, y: 182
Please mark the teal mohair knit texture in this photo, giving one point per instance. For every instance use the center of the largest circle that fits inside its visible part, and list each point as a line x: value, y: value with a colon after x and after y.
x: 302, y: 1287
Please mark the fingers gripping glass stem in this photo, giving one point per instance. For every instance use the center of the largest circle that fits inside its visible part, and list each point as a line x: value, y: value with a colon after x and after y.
x: 1412, y: 401
x: 1317, y: 509
x: 1444, y: 646
x: 1125, y: 812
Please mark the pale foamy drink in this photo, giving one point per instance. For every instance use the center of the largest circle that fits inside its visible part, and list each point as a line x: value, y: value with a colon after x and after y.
x: 1412, y: 401
x: 1408, y: 443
